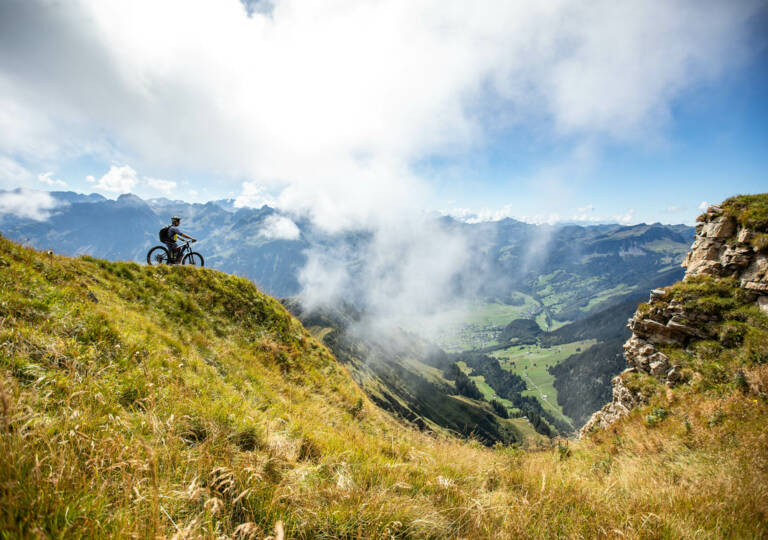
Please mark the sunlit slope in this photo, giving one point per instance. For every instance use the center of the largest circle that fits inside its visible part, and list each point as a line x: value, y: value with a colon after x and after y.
x: 146, y: 402
x: 401, y: 373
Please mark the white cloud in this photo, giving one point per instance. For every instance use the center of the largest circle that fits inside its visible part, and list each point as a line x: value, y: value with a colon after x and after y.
x: 674, y: 209
x: 124, y: 179
x: 334, y: 103
x: 405, y: 275
x: 164, y: 186
x: 703, y: 206
x: 118, y: 180
x: 586, y: 214
x: 27, y: 203
x: 324, y: 107
x: 280, y: 228
x: 47, y: 178
x: 253, y: 195
x: 12, y: 175
x: 493, y: 215
x: 626, y: 218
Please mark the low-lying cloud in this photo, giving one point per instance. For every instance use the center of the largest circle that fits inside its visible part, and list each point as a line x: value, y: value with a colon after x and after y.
x: 27, y: 203
x: 406, y: 273
x: 48, y: 179
x: 280, y: 228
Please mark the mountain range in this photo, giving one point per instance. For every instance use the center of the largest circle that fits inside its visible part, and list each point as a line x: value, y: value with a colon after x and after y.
x: 543, y: 297
x: 568, y: 271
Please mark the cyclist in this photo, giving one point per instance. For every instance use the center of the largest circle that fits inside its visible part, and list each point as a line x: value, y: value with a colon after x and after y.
x: 172, y: 233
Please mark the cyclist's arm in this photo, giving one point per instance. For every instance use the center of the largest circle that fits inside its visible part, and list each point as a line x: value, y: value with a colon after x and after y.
x: 187, y: 236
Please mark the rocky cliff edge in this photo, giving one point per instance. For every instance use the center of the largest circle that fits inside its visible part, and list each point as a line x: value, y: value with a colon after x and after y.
x: 727, y: 266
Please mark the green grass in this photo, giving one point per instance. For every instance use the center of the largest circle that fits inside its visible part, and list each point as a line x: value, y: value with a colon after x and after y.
x: 481, y: 320
x: 602, y: 296
x: 144, y: 402
x: 430, y: 373
x: 549, y: 324
x: 498, y: 314
x: 532, y: 362
x: 750, y: 211
x: 666, y: 245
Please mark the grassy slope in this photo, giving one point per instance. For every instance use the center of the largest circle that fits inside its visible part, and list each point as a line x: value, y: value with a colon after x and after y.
x: 749, y: 210
x: 532, y: 362
x: 179, y: 401
x: 393, y: 375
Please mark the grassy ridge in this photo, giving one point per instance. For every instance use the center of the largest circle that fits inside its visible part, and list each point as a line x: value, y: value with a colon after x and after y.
x: 749, y: 210
x: 181, y: 402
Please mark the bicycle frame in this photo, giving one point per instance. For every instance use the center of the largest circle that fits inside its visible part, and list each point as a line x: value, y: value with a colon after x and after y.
x: 183, y: 249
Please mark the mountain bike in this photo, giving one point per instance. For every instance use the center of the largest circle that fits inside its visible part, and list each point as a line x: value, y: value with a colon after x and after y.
x: 161, y: 255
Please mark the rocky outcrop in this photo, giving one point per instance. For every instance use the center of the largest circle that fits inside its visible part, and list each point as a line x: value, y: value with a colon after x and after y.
x: 624, y: 400
x: 722, y: 248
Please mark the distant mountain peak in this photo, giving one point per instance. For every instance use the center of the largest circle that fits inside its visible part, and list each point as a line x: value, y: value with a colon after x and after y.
x: 127, y: 199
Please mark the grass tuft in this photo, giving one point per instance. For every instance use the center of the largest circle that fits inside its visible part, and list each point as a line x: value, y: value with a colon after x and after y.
x: 750, y: 211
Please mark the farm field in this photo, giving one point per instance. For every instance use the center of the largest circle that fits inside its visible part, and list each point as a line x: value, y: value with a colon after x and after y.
x: 532, y: 362
x: 482, y: 321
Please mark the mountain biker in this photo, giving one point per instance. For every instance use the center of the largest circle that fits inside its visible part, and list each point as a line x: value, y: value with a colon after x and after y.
x: 172, y: 233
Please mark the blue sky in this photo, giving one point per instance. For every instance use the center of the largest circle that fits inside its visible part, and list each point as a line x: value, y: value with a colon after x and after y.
x: 555, y: 112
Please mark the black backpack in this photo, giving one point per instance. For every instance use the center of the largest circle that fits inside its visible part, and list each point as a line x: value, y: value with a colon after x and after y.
x: 164, y: 234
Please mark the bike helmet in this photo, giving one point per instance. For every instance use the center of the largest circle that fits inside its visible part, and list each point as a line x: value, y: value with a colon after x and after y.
x: 175, y: 220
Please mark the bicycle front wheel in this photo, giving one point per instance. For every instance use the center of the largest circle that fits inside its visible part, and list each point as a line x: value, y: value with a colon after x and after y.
x: 157, y: 255
x: 193, y: 259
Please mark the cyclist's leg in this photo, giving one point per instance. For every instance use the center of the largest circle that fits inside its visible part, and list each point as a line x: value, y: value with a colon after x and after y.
x: 172, y: 251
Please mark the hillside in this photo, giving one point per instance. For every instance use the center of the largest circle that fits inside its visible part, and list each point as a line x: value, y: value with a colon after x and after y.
x: 182, y: 402
x: 563, y: 272
x: 405, y: 375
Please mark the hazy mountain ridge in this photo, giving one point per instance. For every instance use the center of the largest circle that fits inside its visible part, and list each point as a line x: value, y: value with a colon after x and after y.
x: 508, y: 255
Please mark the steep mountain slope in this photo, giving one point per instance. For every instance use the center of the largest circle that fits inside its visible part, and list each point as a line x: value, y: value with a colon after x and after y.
x: 404, y: 374
x: 583, y: 380
x: 159, y: 402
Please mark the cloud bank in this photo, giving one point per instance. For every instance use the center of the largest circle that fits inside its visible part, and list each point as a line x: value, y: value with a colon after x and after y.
x: 324, y: 109
x: 27, y: 203
x: 124, y: 179
x: 329, y: 105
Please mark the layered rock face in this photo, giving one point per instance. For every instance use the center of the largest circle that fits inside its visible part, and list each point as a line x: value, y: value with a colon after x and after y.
x: 722, y: 249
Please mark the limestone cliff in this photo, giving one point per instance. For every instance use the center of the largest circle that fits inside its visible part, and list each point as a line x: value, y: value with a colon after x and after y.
x: 730, y: 245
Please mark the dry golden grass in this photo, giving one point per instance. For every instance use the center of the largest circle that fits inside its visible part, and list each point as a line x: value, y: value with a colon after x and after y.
x: 181, y: 403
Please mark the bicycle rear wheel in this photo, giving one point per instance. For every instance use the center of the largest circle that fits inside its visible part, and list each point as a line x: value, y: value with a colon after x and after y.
x: 157, y: 255
x: 193, y: 258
